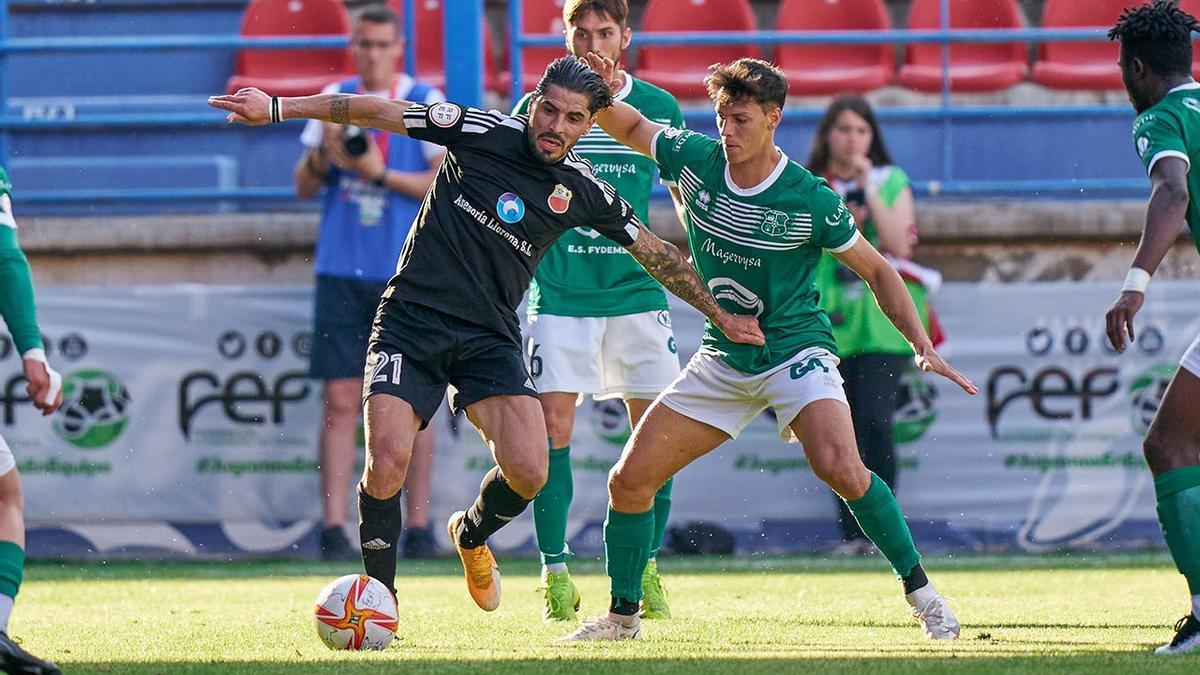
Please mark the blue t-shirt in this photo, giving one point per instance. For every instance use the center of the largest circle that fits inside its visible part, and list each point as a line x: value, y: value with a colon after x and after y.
x: 364, y: 224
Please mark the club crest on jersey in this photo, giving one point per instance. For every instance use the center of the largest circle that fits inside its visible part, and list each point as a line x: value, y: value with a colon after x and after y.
x: 775, y: 223
x: 510, y: 208
x: 560, y: 199
x: 703, y: 199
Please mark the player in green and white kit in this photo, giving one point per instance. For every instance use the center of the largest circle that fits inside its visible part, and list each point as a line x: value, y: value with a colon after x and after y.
x: 45, y: 391
x: 598, y: 323
x: 757, y: 225
x: 1156, y: 67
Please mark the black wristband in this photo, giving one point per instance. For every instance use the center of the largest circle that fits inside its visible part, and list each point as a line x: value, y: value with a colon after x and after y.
x: 276, y: 110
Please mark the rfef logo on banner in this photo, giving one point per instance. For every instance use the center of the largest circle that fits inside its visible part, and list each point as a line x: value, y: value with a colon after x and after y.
x: 95, y: 409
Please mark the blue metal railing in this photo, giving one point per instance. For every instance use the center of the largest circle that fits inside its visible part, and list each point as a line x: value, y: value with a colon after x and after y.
x: 944, y: 36
x: 946, y: 112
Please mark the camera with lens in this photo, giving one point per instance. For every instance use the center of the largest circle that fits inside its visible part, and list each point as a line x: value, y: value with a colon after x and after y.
x: 354, y: 141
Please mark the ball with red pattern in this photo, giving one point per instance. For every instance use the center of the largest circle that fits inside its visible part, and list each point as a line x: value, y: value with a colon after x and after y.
x: 356, y: 612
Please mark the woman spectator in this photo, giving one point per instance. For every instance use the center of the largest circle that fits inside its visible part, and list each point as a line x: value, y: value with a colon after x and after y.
x: 849, y: 151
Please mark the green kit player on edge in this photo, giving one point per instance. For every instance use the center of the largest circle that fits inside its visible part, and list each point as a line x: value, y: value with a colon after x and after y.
x: 598, y: 323
x: 1156, y: 67
x: 45, y: 391
x: 757, y: 224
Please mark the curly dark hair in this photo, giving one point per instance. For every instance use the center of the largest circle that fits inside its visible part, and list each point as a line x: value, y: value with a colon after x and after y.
x: 571, y: 74
x: 1158, y: 33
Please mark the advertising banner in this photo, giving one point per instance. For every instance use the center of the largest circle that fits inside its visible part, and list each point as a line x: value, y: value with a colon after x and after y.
x: 189, y: 426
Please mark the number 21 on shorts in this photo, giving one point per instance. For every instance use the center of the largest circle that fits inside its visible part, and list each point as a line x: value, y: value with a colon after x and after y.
x: 380, y: 372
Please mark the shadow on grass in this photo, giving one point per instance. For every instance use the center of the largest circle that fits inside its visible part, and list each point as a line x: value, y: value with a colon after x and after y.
x: 589, y: 661
x: 872, y: 565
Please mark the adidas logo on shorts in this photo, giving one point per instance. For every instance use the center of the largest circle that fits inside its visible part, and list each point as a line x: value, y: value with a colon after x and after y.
x: 376, y: 544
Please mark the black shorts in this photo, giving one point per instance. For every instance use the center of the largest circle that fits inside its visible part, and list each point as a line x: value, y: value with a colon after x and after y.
x: 342, y: 316
x: 415, y: 352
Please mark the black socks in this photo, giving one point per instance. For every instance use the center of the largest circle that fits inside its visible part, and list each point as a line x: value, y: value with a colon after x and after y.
x: 496, y: 506
x: 379, y: 525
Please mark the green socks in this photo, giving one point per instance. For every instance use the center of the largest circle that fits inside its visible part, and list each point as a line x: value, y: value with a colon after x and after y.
x: 626, y: 549
x: 12, y: 568
x: 1178, y: 492
x: 879, y: 516
x: 551, y: 505
x: 662, y: 511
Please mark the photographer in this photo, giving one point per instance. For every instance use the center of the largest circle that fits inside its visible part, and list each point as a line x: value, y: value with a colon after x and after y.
x: 373, y: 184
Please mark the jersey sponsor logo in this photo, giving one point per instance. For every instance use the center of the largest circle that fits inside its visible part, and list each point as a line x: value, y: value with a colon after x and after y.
x: 842, y: 217
x: 510, y: 208
x: 490, y: 223
x: 560, y: 199
x: 729, y: 257
x: 1143, y: 144
x: 613, y: 170
x: 445, y: 115
x: 724, y: 288
x: 774, y: 223
x: 703, y: 199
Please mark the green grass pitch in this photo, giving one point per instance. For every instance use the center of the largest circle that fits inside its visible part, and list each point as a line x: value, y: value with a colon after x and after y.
x: 1059, y: 614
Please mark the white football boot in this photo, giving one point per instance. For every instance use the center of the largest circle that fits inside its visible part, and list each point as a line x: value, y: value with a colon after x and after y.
x: 611, y: 627
x: 930, y: 610
x: 1187, y: 637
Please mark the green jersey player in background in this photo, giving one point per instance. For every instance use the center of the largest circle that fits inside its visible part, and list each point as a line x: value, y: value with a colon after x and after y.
x: 598, y: 323
x: 757, y: 225
x: 45, y: 391
x: 1156, y: 67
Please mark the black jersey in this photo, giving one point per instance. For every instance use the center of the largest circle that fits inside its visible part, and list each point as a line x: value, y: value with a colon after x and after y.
x: 492, y: 213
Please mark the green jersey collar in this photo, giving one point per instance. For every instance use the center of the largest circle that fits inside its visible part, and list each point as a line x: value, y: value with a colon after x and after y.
x: 767, y: 182
x: 625, y: 88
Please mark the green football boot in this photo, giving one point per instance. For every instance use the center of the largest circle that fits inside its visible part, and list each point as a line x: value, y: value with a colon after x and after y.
x: 654, y: 596
x: 562, y: 598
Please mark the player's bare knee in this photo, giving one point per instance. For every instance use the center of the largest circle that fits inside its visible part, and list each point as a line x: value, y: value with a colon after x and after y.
x: 387, y: 463
x: 626, y: 488
x: 526, y: 474
x: 843, y: 472
x: 1165, y: 451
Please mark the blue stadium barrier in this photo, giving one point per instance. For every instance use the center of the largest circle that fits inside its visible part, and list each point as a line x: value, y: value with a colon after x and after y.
x: 943, y: 146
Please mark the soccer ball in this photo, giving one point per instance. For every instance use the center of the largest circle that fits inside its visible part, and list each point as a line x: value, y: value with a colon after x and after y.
x: 356, y: 612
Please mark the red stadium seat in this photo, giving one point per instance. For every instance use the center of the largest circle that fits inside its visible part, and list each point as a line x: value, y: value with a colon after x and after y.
x: 539, y: 18
x: 681, y: 70
x: 430, y: 53
x: 973, y: 67
x: 1079, y: 65
x: 291, y: 72
x: 820, y: 70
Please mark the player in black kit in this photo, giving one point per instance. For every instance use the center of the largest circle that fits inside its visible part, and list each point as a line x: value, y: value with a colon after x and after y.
x: 509, y: 186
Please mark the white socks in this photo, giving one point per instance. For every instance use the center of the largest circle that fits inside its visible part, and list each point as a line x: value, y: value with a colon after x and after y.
x: 6, y: 607
x: 1195, y: 606
x: 557, y: 568
x: 921, y: 597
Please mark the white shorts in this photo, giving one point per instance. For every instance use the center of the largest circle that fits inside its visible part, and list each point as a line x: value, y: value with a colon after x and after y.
x: 710, y: 391
x: 1191, y: 358
x: 7, y: 461
x: 631, y: 356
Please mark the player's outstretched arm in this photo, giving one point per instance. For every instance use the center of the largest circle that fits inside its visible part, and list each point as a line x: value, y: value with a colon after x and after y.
x: 665, y: 263
x: 622, y: 121
x: 897, y: 304
x: 1164, y: 217
x: 254, y: 107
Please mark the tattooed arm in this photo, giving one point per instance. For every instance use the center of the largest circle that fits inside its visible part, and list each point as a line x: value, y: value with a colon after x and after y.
x: 665, y: 263
x: 893, y: 298
x: 253, y: 107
